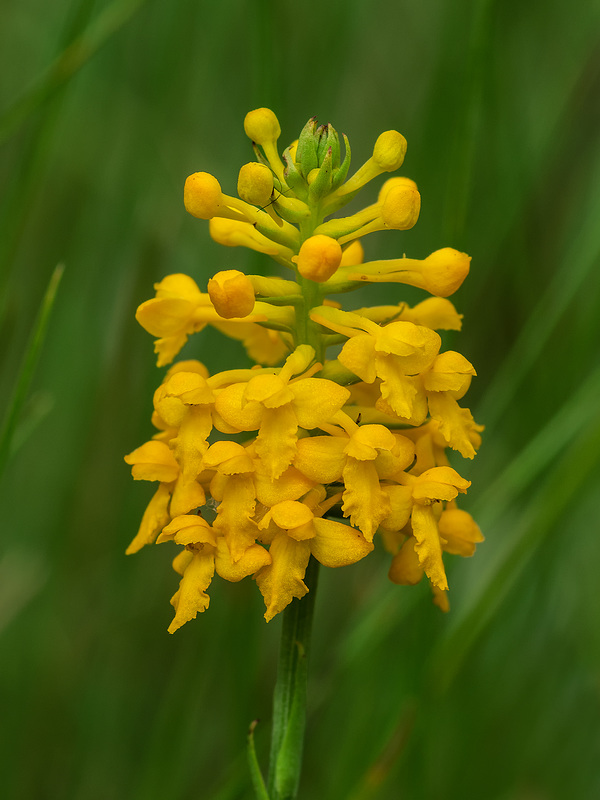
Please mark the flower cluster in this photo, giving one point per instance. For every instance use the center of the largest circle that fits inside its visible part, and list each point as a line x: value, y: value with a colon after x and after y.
x: 308, y: 440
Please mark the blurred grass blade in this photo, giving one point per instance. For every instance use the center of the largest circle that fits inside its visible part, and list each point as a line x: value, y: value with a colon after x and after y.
x: 80, y: 40
x: 540, y: 452
x: 27, y: 368
x: 542, y: 514
x: 260, y: 790
x: 70, y: 61
x: 577, y: 266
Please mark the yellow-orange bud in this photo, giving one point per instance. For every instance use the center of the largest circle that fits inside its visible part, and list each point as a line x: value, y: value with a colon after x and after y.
x: 202, y: 195
x: 389, y: 151
x: 231, y: 294
x: 261, y: 125
x: 444, y: 271
x: 255, y: 183
x: 401, y: 206
x: 319, y: 258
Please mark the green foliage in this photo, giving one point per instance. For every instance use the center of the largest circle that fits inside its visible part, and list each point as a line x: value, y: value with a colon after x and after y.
x: 107, y: 107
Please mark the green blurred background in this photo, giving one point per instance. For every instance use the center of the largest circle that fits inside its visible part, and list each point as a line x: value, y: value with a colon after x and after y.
x: 106, y: 108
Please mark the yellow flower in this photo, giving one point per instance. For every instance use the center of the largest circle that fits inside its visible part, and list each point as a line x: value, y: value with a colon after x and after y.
x: 428, y: 491
x: 178, y: 310
x: 352, y: 455
x: 181, y: 309
x: 396, y: 353
x: 154, y: 461
x: 458, y: 531
x: 277, y: 405
x: 296, y: 533
x: 458, y: 535
x: 446, y: 381
x: 270, y: 451
x: 205, y: 553
x: 185, y: 401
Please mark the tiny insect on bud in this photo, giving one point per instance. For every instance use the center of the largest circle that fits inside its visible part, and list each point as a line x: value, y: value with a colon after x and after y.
x: 255, y: 183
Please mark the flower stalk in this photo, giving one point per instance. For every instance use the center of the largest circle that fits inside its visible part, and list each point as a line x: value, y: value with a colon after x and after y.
x: 289, y: 698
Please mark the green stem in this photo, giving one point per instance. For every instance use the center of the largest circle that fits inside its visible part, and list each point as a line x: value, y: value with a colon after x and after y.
x: 289, y: 698
x: 307, y: 331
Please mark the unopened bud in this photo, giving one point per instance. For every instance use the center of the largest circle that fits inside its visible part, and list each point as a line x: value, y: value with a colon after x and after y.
x: 392, y: 183
x: 255, y: 183
x: 262, y: 126
x: 231, y: 294
x: 319, y: 258
x: 202, y: 195
x: 401, y: 206
x: 389, y: 151
x: 444, y: 271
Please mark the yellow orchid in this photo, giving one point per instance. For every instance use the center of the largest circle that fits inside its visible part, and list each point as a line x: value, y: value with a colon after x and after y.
x: 295, y: 532
x: 154, y: 461
x: 446, y: 381
x: 351, y: 454
x: 396, y: 353
x: 419, y: 497
x: 205, y: 553
x: 267, y: 452
x: 277, y: 405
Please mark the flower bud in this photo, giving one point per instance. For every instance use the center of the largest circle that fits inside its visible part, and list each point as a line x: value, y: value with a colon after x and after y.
x: 389, y: 151
x: 319, y: 258
x: 306, y: 151
x: 401, y: 206
x: 393, y: 182
x: 255, y: 183
x: 261, y: 125
x: 202, y: 195
x: 444, y: 271
x: 231, y: 293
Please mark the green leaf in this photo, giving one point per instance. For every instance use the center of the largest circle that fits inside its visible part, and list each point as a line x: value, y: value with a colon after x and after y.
x: 260, y: 790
